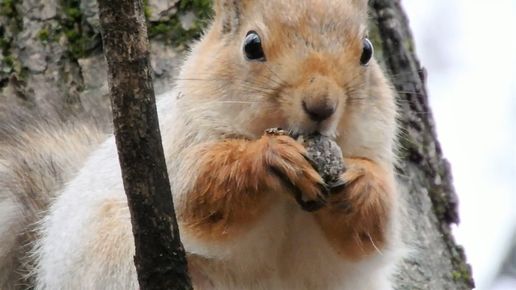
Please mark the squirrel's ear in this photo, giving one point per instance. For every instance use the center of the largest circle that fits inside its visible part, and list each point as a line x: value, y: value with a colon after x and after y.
x: 228, y: 13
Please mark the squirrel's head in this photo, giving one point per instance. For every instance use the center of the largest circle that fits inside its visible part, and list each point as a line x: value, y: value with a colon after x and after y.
x: 287, y: 63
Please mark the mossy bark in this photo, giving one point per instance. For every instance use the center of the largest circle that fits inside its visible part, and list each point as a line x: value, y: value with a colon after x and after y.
x: 51, y: 50
x: 51, y: 54
x: 425, y: 176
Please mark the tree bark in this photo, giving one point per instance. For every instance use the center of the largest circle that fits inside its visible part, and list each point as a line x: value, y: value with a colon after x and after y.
x: 425, y: 176
x: 160, y: 258
x: 51, y: 50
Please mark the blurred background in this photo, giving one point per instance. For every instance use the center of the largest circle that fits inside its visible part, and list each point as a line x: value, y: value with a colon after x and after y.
x: 469, y: 50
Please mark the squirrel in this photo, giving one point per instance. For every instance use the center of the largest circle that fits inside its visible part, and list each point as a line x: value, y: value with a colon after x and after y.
x: 304, y: 66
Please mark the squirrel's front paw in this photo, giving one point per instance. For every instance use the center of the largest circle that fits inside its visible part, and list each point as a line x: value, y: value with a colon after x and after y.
x: 288, y: 161
x: 365, y: 186
x: 357, y: 217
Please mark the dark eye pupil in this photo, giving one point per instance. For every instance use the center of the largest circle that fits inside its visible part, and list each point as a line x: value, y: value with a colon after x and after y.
x: 253, y: 49
x: 367, y: 52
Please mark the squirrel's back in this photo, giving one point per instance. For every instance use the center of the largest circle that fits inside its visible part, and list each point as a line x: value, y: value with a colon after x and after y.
x: 39, y: 152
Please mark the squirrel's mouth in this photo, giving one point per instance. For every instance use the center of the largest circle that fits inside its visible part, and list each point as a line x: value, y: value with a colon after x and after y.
x: 326, y: 132
x: 301, y: 124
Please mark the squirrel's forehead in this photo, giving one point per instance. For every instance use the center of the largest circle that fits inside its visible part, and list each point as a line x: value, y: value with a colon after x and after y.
x: 326, y: 17
x: 292, y: 10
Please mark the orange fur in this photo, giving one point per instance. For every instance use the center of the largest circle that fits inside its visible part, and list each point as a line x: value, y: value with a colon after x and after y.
x: 356, y: 219
x: 236, y: 178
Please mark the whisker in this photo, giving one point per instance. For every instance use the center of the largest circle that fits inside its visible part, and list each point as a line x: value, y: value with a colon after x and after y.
x: 253, y: 86
x: 352, y: 80
x: 282, y: 83
x: 374, y: 245
x: 359, y: 241
x: 285, y: 82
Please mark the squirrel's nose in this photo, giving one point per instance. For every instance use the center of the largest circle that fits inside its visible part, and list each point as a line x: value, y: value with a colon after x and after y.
x: 320, y: 110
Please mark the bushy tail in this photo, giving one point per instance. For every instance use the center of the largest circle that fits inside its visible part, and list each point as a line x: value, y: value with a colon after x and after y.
x: 40, y: 150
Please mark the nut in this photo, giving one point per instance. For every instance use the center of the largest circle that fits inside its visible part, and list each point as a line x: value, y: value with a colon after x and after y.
x: 326, y: 156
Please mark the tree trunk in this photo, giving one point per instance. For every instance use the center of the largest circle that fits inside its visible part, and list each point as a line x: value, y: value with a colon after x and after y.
x: 425, y: 176
x: 51, y: 53
x: 160, y: 258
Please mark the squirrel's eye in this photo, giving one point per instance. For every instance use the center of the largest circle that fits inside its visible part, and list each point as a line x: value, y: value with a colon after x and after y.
x: 253, y: 49
x: 367, y: 52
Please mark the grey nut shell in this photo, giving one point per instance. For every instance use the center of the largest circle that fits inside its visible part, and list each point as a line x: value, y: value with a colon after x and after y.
x: 326, y: 155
